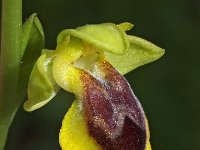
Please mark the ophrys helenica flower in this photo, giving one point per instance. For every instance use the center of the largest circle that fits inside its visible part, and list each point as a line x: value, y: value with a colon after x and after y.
x: 90, y: 62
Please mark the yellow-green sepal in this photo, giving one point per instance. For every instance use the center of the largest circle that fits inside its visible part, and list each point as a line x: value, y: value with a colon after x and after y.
x: 106, y: 37
x: 42, y: 86
x: 139, y: 53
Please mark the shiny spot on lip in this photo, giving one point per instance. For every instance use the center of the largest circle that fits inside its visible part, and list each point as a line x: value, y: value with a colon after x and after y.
x: 112, y: 111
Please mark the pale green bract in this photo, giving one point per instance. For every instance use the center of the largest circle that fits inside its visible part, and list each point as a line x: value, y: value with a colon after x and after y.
x: 123, y: 51
x: 32, y: 42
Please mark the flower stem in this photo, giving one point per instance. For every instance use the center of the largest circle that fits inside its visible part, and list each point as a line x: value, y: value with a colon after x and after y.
x: 9, y: 63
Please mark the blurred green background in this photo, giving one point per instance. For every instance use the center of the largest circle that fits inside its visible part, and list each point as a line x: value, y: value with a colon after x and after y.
x: 168, y: 88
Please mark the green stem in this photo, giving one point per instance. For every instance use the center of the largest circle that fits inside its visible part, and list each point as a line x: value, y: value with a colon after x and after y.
x: 9, y: 63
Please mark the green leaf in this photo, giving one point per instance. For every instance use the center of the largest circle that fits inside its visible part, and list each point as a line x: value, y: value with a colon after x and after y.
x: 31, y: 46
x: 139, y: 53
x: 42, y: 86
x: 106, y: 37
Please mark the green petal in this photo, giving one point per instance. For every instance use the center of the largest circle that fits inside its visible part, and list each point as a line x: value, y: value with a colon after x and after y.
x: 107, y: 37
x: 139, y: 53
x: 42, y: 87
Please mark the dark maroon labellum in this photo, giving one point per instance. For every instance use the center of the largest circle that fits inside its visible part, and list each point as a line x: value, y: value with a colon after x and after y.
x: 113, y: 114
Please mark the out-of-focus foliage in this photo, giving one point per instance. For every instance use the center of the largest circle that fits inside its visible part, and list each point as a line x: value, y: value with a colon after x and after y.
x: 167, y: 88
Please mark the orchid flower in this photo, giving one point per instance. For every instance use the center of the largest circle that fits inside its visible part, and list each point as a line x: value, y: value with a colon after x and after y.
x: 90, y: 62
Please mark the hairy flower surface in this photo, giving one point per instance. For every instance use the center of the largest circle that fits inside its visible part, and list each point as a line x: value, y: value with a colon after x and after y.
x: 90, y: 62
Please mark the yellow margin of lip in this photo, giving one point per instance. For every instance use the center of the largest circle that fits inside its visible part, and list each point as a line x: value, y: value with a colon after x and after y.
x: 74, y: 135
x: 148, y: 145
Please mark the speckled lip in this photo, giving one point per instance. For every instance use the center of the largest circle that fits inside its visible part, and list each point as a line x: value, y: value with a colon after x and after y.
x: 114, y: 116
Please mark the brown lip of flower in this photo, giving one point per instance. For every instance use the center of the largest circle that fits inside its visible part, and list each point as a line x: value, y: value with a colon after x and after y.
x: 113, y: 114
